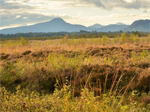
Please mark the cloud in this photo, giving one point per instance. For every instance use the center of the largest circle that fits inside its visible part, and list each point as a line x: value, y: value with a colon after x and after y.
x: 107, y: 4
x: 7, y: 4
x: 59, y: 4
x: 22, y: 12
x: 95, y: 2
x: 145, y: 11
x: 18, y: 18
x: 25, y: 17
x: 129, y: 1
x: 127, y: 4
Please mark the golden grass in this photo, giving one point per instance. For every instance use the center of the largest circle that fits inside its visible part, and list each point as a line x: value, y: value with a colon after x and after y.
x: 118, y: 73
x: 13, y: 46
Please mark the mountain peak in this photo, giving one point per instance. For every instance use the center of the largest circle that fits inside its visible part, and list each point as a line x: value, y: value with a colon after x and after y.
x: 119, y: 23
x: 57, y: 20
x: 96, y: 25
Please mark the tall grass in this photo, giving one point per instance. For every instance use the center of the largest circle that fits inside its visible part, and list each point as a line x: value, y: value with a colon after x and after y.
x: 76, y: 75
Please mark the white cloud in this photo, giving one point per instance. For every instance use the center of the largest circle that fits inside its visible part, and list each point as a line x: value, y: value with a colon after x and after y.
x: 59, y: 4
x: 145, y: 11
x: 129, y: 1
x: 25, y: 17
x: 126, y: 4
x: 18, y: 16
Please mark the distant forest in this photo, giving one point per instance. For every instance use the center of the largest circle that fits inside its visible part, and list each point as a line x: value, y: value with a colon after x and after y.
x: 59, y: 35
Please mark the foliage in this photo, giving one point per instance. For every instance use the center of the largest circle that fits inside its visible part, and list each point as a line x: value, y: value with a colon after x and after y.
x: 63, y: 101
x: 73, y: 35
x: 123, y: 38
x: 57, y: 62
x: 70, y: 74
x: 23, y: 41
x: 105, y: 40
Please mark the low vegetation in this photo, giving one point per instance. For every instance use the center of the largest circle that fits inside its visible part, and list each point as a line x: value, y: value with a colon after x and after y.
x: 86, y: 74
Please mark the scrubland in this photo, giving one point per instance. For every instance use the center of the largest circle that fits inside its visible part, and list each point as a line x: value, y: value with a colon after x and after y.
x: 76, y: 75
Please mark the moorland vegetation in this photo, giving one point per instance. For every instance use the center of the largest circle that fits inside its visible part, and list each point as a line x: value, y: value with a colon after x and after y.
x: 100, y: 74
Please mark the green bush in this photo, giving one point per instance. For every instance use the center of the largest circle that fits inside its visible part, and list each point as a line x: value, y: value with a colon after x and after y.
x: 63, y: 101
x: 105, y: 40
x: 23, y: 41
x: 123, y: 38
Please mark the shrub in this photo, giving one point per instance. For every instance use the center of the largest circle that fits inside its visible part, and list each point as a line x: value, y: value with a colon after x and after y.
x: 105, y: 40
x: 63, y: 101
x: 23, y: 41
x: 123, y: 38
x: 64, y: 39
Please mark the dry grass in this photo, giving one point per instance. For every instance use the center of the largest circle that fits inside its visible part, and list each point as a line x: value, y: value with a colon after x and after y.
x: 12, y: 46
x: 112, y: 75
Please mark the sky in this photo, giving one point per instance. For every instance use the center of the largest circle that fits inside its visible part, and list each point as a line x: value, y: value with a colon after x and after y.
x: 15, y: 13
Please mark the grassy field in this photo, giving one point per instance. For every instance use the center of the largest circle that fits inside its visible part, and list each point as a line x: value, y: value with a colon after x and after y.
x: 76, y: 75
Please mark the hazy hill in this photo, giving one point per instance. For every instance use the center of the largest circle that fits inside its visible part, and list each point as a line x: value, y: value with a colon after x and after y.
x: 55, y: 25
x: 111, y: 28
x: 139, y: 25
x: 96, y: 26
x: 119, y: 23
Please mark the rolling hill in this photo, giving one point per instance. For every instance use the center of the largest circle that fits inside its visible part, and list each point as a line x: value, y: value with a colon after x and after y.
x: 139, y: 25
x: 111, y: 28
x: 96, y: 26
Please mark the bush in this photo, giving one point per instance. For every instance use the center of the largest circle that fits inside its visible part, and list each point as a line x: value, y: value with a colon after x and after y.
x: 105, y: 40
x: 23, y: 41
x: 123, y: 38
x: 63, y: 101
x: 64, y: 39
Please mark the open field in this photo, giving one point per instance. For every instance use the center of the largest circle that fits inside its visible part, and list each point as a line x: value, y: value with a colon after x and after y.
x: 79, y: 75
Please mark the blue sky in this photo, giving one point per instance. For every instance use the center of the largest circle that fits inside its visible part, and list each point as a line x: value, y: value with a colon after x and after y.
x: 86, y: 12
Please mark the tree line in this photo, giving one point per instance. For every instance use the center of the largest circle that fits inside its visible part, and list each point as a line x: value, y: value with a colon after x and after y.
x: 72, y: 35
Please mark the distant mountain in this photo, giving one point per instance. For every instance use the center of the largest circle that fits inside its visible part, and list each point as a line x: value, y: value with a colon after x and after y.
x: 96, y: 26
x: 119, y: 23
x: 139, y: 25
x: 59, y: 25
x: 55, y: 25
x: 111, y: 28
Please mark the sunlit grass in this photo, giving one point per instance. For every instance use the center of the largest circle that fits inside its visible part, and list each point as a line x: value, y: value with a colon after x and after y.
x: 75, y: 75
x: 11, y: 46
x: 63, y: 101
